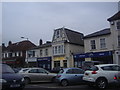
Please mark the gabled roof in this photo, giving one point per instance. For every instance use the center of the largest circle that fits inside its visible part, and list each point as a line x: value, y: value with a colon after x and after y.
x: 74, y: 37
x: 114, y: 17
x: 20, y: 46
x: 99, y: 33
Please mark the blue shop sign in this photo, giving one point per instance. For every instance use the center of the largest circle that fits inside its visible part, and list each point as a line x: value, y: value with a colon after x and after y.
x: 93, y: 54
x: 44, y: 59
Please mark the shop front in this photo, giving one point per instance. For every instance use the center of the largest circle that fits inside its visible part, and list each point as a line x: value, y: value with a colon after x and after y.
x: 105, y: 57
x: 44, y: 62
x: 12, y: 62
x: 59, y: 61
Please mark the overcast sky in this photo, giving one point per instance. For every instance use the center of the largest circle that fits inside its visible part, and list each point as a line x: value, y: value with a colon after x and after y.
x: 37, y: 20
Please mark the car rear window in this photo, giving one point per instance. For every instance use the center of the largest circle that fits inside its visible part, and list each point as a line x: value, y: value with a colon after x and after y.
x: 93, y: 68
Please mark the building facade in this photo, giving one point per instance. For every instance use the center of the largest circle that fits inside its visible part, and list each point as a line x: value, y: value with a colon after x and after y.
x: 103, y: 45
x: 15, y: 53
x: 40, y: 56
x: 65, y: 43
x: 115, y: 30
x: 98, y: 46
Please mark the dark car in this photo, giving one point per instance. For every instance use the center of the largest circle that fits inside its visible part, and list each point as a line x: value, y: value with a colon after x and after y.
x: 10, y: 79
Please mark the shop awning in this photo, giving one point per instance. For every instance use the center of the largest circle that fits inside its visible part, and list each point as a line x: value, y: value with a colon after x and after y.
x: 9, y: 61
x: 93, y: 54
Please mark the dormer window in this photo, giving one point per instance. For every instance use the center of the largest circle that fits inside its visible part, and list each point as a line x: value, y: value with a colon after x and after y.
x: 58, y: 33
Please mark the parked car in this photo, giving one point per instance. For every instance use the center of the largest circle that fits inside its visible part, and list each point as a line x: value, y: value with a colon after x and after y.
x: 68, y: 76
x: 23, y: 70
x: 16, y: 70
x: 10, y: 79
x: 102, y: 75
x: 37, y: 75
x: 87, y: 64
x: 56, y: 69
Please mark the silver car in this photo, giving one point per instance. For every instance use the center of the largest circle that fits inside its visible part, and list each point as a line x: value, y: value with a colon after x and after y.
x: 68, y: 76
x: 37, y: 75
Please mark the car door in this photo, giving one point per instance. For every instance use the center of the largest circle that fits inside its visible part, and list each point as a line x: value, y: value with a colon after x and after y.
x: 78, y: 75
x: 43, y: 75
x: 70, y: 75
x: 33, y: 75
x: 110, y: 72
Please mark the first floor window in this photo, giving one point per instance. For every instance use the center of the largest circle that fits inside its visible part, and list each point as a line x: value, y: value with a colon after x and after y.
x: 46, y: 52
x: 93, y: 46
x: 58, y: 49
x: 102, y: 43
x: 41, y: 52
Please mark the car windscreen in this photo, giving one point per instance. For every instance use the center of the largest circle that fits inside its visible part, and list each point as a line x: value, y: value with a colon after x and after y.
x: 7, y: 69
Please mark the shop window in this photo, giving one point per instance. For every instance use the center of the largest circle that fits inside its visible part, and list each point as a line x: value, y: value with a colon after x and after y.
x: 93, y: 46
x: 102, y: 43
x: 65, y: 63
x: 56, y: 63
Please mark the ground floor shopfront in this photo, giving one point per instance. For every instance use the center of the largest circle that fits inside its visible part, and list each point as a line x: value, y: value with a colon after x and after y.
x: 14, y: 62
x: 59, y: 61
x: 116, y: 56
x: 105, y: 57
x: 44, y: 62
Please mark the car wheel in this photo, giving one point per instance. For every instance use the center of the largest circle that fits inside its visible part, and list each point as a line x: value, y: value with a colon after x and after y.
x: 101, y: 83
x: 27, y: 80
x: 64, y: 83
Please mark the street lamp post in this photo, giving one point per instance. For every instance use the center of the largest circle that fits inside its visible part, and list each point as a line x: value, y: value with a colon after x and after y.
x: 26, y: 52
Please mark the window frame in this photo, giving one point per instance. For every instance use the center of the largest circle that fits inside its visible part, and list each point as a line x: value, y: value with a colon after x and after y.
x: 118, y: 25
x: 93, y: 44
x: 102, y: 43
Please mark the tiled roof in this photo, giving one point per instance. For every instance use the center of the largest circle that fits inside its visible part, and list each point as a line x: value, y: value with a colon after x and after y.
x: 43, y: 45
x: 114, y: 17
x: 74, y: 37
x: 20, y: 46
x: 99, y: 33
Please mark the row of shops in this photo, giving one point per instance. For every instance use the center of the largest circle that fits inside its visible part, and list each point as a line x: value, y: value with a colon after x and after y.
x: 103, y: 57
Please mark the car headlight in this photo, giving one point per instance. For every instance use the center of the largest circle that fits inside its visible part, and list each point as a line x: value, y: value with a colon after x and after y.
x: 3, y: 81
x: 22, y: 79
